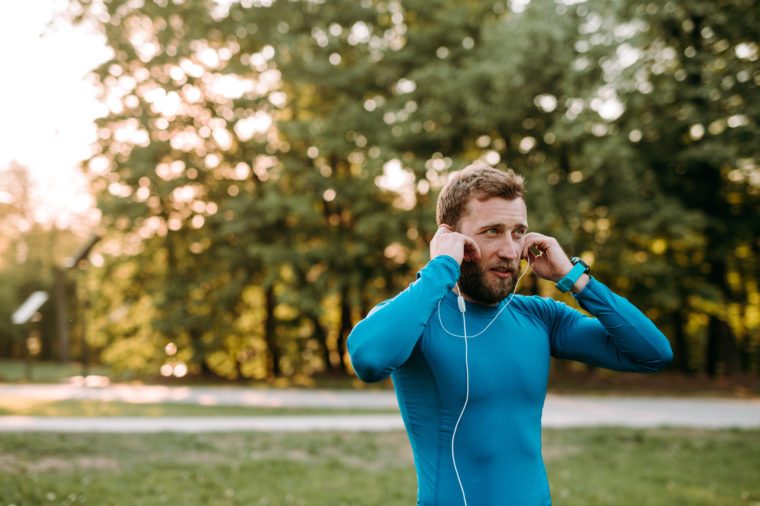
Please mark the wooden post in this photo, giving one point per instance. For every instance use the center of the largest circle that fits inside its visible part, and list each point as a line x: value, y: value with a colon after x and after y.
x: 62, y: 315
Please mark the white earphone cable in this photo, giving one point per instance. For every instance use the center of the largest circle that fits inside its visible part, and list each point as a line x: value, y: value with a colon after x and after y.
x: 467, y: 390
x: 462, y: 309
x: 494, y: 318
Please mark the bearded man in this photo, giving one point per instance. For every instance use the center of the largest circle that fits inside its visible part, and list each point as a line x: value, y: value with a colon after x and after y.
x: 469, y: 358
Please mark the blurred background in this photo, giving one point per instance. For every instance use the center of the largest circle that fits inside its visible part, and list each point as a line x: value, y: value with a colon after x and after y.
x: 201, y: 194
x: 219, y: 190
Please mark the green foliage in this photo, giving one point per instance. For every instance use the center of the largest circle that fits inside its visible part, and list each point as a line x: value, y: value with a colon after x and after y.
x: 268, y: 171
x: 693, y: 121
x: 29, y: 252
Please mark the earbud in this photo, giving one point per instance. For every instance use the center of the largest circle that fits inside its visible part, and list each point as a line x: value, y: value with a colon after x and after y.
x: 460, y: 301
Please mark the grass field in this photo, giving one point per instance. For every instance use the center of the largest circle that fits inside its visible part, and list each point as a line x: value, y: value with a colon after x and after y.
x: 18, y: 406
x: 585, y: 466
x: 15, y: 371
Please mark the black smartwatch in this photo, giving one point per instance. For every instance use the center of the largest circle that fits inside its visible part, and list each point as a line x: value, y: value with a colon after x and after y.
x: 579, y: 269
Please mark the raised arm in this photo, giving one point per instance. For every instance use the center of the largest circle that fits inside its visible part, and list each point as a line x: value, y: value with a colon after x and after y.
x: 620, y: 337
x: 385, y: 339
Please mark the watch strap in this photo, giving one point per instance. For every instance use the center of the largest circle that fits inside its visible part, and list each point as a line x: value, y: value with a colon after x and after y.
x: 567, y: 282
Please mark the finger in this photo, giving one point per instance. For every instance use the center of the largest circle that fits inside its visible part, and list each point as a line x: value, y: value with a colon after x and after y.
x: 471, y: 247
x: 535, y: 245
x: 527, y: 246
x: 531, y: 252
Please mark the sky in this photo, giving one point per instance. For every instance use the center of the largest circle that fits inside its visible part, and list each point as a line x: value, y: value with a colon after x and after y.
x: 46, y: 105
x: 48, y: 108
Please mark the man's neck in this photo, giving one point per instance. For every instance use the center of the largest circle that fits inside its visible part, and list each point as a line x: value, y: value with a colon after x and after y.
x: 475, y: 301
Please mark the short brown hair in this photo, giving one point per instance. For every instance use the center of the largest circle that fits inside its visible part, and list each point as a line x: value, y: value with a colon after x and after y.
x: 480, y: 181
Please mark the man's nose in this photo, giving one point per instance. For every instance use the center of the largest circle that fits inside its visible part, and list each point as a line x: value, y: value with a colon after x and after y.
x: 509, y: 248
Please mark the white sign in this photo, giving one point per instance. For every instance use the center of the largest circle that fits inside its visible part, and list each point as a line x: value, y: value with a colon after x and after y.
x: 29, y: 307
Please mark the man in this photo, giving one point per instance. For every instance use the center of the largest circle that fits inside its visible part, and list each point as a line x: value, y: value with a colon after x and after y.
x: 472, y: 405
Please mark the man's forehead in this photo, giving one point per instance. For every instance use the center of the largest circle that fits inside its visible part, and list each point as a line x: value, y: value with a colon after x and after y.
x: 496, y: 210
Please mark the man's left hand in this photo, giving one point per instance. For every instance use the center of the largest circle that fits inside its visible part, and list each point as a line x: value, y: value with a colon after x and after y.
x: 553, y: 263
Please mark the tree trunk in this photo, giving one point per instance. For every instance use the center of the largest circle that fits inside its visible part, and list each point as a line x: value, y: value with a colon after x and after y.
x: 345, y: 326
x: 199, y: 347
x: 745, y: 348
x: 320, y: 334
x: 61, y: 314
x: 364, y: 303
x: 270, y: 330
x: 85, y: 344
x: 745, y: 354
x: 711, y: 354
x: 681, y: 352
x: 721, y: 348
x: 728, y: 348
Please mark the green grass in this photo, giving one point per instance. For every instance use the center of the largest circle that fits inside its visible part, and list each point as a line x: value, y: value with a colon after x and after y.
x: 655, y: 467
x: 14, y: 371
x: 586, y: 467
x: 13, y: 405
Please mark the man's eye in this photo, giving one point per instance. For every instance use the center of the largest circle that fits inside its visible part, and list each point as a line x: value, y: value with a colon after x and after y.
x: 519, y: 233
x: 492, y: 231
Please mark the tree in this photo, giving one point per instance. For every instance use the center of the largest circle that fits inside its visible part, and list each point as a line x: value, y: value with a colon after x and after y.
x: 693, y: 115
x: 268, y: 171
x: 29, y: 253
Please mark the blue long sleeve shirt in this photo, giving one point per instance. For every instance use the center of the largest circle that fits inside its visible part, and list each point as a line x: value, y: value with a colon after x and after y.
x: 498, y: 442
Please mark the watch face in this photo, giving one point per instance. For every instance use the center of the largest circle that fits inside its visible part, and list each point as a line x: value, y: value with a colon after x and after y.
x: 577, y: 260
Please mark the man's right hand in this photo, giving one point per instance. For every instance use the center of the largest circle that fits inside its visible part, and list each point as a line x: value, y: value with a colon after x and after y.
x: 458, y: 246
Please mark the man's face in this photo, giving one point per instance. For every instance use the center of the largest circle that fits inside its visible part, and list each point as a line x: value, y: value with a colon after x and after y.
x: 498, y: 226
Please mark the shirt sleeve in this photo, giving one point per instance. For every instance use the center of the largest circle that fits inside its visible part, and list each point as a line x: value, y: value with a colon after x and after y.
x: 620, y: 337
x: 385, y: 339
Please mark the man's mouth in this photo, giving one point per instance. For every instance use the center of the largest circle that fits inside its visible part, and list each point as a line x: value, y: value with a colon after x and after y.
x: 502, y: 272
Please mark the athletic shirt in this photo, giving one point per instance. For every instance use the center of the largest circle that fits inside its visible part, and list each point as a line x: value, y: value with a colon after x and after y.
x: 498, y: 442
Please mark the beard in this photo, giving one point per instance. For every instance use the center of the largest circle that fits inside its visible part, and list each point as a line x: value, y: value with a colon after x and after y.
x: 476, y: 283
